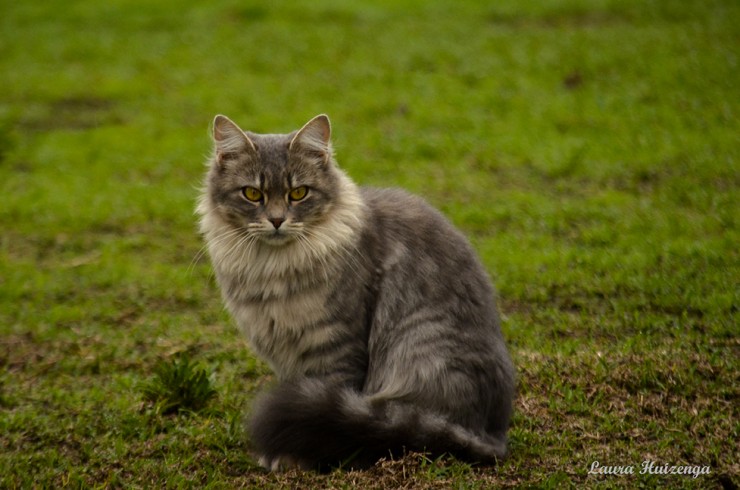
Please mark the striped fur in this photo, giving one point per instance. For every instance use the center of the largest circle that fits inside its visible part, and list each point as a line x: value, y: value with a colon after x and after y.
x: 373, y: 311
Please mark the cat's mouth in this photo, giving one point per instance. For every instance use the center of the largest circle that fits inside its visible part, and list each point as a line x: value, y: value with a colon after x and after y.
x: 276, y: 238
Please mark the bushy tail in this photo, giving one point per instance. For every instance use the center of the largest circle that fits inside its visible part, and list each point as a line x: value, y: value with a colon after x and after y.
x: 315, y: 425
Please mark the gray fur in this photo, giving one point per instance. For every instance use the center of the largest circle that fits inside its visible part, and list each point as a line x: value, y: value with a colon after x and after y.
x: 373, y: 311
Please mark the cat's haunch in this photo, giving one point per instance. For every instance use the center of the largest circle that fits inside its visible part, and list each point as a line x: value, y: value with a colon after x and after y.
x: 372, y: 309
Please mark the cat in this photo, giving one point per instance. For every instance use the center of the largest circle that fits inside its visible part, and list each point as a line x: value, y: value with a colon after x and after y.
x: 373, y: 311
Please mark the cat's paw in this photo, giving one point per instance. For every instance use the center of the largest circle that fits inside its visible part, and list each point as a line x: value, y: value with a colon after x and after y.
x: 279, y: 463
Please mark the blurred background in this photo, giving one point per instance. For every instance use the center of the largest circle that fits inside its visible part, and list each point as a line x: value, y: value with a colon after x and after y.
x: 589, y: 149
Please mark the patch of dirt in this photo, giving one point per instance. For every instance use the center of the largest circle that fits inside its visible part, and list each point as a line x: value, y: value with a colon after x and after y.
x: 74, y: 113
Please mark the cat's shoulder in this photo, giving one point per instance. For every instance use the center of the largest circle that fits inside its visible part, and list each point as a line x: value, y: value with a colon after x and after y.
x: 393, y: 199
x: 394, y: 206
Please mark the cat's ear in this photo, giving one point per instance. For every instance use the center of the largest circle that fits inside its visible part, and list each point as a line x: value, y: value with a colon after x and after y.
x: 314, y: 139
x: 229, y: 138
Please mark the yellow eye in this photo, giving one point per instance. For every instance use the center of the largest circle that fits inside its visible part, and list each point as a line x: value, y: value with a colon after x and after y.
x: 252, y: 194
x: 298, y: 193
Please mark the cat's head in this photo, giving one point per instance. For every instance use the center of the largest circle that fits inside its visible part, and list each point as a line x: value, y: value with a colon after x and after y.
x: 274, y: 188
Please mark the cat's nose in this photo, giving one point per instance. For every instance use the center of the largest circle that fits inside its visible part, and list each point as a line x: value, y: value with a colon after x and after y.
x: 276, y: 222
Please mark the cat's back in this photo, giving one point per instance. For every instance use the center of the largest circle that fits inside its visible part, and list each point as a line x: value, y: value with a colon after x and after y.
x: 435, y: 326
x: 421, y: 256
x: 401, y: 219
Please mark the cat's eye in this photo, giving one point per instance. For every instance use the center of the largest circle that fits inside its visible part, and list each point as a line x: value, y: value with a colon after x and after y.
x: 252, y: 194
x: 298, y: 193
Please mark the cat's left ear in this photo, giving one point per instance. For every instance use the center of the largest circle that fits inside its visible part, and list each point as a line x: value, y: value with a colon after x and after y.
x: 314, y: 139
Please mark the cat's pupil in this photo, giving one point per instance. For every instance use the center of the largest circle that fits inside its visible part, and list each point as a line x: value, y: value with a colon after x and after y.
x: 298, y: 193
x: 252, y: 194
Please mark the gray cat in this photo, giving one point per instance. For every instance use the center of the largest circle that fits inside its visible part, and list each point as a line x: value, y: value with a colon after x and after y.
x: 373, y: 311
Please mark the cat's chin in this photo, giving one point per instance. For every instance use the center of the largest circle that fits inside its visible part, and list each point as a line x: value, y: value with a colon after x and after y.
x: 276, y: 239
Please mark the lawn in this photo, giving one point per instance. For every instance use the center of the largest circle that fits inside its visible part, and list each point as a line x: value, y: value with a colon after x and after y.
x: 589, y: 149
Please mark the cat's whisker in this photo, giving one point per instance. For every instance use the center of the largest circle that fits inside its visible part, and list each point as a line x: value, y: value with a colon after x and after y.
x: 346, y: 250
x: 241, y: 246
x: 319, y: 255
x: 204, y: 250
x: 224, y: 239
x: 312, y: 239
x: 198, y: 256
x: 211, y: 242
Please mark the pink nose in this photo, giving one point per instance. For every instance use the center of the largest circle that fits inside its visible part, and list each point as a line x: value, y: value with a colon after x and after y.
x: 276, y: 222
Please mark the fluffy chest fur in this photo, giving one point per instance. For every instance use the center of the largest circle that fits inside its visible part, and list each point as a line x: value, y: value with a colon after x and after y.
x: 280, y: 295
x: 283, y: 327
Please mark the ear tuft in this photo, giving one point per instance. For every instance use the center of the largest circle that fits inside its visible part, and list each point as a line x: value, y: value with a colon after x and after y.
x: 314, y: 138
x: 228, y: 137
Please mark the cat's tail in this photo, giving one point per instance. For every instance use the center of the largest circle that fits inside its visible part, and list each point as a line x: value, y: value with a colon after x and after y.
x: 315, y: 425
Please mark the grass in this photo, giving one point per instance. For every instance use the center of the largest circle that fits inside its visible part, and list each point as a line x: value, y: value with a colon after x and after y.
x: 588, y: 148
x: 179, y: 385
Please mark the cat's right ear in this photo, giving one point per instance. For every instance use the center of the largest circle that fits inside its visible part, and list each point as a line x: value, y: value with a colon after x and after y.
x: 229, y: 139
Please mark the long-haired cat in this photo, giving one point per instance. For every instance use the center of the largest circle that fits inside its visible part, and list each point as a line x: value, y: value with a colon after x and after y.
x: 374, y: 312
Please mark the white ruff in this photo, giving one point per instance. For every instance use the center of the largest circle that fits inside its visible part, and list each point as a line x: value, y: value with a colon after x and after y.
x: 257, y: 279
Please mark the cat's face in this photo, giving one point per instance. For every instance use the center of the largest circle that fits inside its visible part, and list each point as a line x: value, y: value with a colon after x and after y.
x: 273, y: 188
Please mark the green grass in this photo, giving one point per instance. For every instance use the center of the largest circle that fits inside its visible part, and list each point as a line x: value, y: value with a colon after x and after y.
x: 589, y: 149
x: 179, y: 386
